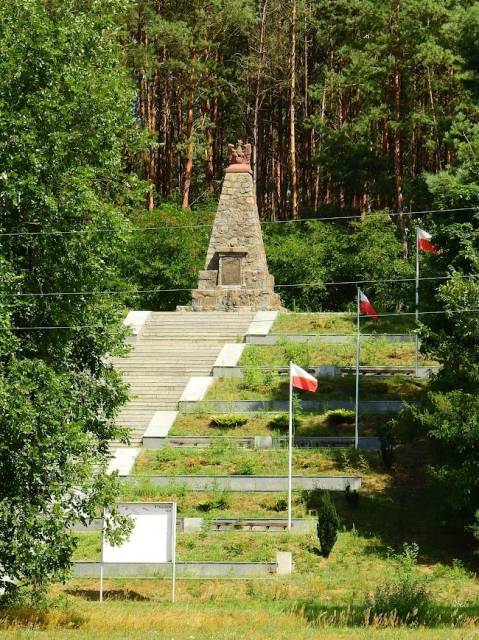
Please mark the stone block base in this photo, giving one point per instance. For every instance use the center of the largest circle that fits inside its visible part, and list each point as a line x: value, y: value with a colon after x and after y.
x: 240, y: 299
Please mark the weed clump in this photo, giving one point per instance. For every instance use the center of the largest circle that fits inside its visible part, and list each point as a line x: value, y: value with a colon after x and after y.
x: 405, y: 600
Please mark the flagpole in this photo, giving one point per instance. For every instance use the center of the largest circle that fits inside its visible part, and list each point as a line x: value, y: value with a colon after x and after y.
x: 358, y: 347
x: 290, y: 447
x: 417, y: 297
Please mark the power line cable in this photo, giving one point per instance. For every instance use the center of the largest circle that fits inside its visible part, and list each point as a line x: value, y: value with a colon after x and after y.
x: 209, y: 225
x: 50, y: 294
x: 379, y: 315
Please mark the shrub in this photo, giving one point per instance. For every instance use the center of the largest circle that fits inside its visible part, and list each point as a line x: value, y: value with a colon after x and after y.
x: 352, y: 497
x: 335, y: 417
x: 406, y: 600
x: 312, y: 499
x: 219, y: 500
x: 273, y: 504
x: 253, y: 379
x: 246, y: 468
x: 281, y: 421
x: 228, y: 421
x: 328, y: 524
x: 388, y: 443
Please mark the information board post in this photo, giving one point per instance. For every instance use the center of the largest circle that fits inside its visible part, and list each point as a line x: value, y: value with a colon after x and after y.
x: 173, y: 554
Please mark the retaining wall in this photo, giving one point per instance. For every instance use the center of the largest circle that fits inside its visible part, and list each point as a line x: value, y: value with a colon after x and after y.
x: 327, y: 371
x: 268, y: 442
x: 320, y: 406
x: 199, y: 569
x: 252, y: 483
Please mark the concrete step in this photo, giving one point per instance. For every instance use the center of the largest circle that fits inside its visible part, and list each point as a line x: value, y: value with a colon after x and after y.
x: 170, y: 348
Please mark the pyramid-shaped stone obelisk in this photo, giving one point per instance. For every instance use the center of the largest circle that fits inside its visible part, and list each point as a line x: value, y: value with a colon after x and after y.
x: 236, y: 275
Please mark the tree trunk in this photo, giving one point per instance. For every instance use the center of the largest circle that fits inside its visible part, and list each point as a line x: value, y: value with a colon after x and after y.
x: 190, y: 148
x: 292, y: 114
x: 257, y: 99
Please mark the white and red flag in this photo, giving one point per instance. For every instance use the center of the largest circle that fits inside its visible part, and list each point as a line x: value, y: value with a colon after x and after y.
x: 301, y: 379
x: 366, y: 307
x: 424, y: 242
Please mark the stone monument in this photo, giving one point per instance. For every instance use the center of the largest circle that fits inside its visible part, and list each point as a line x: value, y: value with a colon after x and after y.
x: 236, y: 275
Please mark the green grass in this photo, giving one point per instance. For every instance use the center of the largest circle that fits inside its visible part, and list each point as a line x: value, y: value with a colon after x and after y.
x: 377, y: 353
x: 223, y: 459
x: 216, y: 610
x: 275, y: 387
x: 310, y: 424
x: 322, y: 599
x: 198, y: 503
x: 338, y: 323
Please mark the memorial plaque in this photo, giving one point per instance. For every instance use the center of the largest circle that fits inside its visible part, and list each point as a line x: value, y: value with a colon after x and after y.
x: 230, y: 271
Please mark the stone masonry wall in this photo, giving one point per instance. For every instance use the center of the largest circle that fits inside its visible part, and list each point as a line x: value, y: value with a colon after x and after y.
x: 236, y: 234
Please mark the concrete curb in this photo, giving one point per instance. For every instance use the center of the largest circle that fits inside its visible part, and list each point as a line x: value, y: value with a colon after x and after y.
x: 326, y: 338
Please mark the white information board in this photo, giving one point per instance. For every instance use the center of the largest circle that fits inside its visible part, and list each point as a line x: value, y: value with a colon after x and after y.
x: 152, y: 540
x: 153, y: 535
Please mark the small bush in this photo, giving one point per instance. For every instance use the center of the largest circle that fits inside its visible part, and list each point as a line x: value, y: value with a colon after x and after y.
x: 253, y: 379
x: 274, y: 504
x: 388, y: 441
x: 280, y: 422
x: 219, y: 500
x: 280, y: 505
x: 336, y: 417
x: 228, y: 421
x: 406, y: 600
x: 352, y: 497
x: 328, y: 524
x: 246, y: 468
x: 312, y: 499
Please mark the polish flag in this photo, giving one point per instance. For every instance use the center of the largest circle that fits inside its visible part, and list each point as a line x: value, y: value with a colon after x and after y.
x: 424, y: 242
x: 301, y: 379
x: 366, y: 307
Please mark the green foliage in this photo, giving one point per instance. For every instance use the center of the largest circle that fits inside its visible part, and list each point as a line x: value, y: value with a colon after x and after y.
x: 352, y: 497
x: 279, y: 422
x: 65, y: 109
x: 451, y: 421
x: 388, y: 441
x: 228, y: 421
x: 405, y: 600
x: 328, y: 524
x: 218, y: 500
x: 165, y: 258
x: 335, y: 417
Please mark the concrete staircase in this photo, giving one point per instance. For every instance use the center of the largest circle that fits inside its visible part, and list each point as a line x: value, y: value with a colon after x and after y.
x: 169, y: 349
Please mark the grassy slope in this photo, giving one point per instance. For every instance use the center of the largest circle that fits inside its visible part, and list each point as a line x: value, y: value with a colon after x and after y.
x: 340, y: 388
x: 226, y: 459
x: 265, y: 424
x: 375, y: 353
x: 337, y: 323
x: 393, y: 508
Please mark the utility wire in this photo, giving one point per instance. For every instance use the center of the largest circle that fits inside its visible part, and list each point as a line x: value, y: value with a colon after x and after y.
x: 209, y: 225
x: 379, y: 315
x: 184, y: 290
